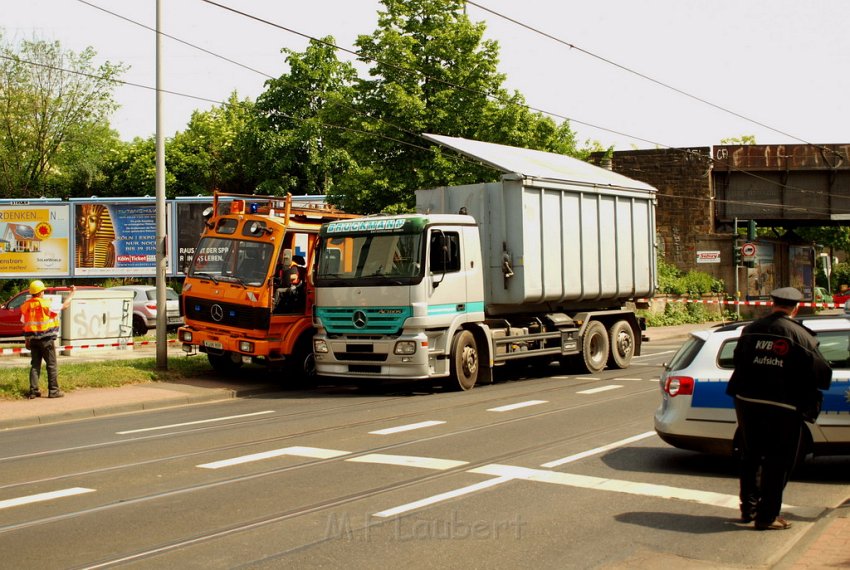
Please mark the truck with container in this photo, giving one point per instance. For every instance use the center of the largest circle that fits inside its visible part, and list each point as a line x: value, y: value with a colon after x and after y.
x: 245, y: 296
x: 533, y: 268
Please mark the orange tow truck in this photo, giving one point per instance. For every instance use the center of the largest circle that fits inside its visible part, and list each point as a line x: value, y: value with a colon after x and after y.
x: 246, y: 295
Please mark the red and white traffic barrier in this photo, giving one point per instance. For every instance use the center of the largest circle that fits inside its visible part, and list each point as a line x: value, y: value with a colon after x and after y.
x: 22, y: 350
x: 750, y: 303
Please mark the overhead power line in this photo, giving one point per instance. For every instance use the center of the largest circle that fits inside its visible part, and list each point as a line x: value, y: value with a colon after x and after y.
x: 450, y: 84
x: 635, y: 72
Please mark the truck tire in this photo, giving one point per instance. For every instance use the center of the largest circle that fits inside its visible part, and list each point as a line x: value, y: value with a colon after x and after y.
x: 302, y: 362
x: 594, y: 347
x: 621, y: 337
x: 464, y: 361
x: 226, y: 363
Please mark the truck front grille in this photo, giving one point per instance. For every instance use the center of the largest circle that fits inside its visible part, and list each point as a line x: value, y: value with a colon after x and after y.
x: 364, y: 320
x: 227, y: 314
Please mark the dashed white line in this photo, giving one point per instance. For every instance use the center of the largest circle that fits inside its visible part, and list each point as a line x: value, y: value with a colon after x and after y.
x: 597, y: 450
x: 296, y: 451
x: 442, y: 497
x: 517, y: 406
x: 600, y: 389
x: 407, y: 427
x: 211, y: 420
x: 409, y: 461
x: 44, y: 497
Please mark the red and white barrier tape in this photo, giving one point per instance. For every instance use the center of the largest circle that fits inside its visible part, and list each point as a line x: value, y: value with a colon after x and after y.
x: 750, y: 303
x: 86, y: 346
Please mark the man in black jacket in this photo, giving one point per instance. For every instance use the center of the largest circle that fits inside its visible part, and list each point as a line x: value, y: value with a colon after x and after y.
x: 778, y: 374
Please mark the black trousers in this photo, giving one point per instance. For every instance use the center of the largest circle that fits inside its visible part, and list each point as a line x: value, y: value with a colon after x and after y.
x: 43, y: 349
x: 770, y: 438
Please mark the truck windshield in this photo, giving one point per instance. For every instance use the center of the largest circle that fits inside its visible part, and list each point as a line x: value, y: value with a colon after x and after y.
x: 370, y: 259
x: 240, y: 261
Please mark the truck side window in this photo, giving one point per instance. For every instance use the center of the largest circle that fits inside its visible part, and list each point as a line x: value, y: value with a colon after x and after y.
x: 445, y: 252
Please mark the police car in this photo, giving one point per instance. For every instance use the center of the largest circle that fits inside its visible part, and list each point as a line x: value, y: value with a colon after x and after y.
x: 696, y: 414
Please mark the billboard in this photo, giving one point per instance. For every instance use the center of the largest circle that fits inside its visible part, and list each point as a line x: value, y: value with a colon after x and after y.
x: 116, y: 239
x: 34, y: 239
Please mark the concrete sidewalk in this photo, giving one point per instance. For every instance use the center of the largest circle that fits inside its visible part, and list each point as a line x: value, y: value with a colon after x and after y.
x: 96, y: 402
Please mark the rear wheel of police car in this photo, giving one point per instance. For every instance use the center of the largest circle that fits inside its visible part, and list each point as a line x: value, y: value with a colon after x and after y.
x: 226, y: 363
x: 622, y: 340
x: 464, y: 361
x: 595, y: 347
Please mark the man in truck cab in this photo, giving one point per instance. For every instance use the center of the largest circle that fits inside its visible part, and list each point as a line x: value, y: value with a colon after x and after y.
x: 289, y: 284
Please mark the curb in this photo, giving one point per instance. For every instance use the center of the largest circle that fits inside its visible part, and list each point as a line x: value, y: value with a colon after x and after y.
x: 178, y: 398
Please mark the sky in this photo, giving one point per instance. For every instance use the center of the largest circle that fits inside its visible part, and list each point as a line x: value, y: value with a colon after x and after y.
x: 773, y: 69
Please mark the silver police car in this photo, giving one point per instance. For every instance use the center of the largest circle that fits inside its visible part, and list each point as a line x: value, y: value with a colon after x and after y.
x: 696, y: 414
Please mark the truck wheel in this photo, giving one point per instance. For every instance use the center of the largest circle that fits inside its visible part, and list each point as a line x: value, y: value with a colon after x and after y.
x: 225, y: 363
x: 464, y: 363
x: 303, y: 364
x: 622, y: 340
x: 594, y: 347
x: 139, y: 326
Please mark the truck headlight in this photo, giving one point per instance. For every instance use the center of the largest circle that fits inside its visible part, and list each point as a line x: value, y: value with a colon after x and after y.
x: 185, y: 336
x: 405, y: 347
x: 320, y: 346
x: 246, y: 346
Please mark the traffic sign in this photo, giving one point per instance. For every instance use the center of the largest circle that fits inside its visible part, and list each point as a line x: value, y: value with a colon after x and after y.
x: 748, y: 250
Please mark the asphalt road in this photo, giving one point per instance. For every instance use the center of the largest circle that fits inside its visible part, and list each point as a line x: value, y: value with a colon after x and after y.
x: 555, y: 471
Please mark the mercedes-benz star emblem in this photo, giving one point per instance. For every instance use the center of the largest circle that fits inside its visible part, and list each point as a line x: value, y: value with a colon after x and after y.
x: 216, y: 312
x: 359, y: 319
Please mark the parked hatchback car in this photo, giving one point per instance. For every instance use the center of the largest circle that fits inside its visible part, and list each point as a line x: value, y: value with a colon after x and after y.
x: 10, y: 311
x: 696, y: 414
x: 145, y: 309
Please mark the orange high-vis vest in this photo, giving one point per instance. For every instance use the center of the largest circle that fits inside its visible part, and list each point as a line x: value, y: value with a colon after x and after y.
x: 38, y: 317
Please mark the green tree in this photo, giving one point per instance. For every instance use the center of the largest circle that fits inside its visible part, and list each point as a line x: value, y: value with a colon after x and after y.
x: 431, y: 71
x: 206, y: 156
x: 54, y: 104
x: 293, y: 144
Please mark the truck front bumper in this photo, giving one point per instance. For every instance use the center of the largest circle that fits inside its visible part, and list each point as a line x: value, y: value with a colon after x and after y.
x: 406, y: 357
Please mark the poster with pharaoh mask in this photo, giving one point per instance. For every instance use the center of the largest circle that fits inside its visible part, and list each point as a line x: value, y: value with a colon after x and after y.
x: 115, y: 239
x: 34, y: 239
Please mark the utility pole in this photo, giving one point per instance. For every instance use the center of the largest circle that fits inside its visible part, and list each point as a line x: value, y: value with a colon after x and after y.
x: 161, y: 312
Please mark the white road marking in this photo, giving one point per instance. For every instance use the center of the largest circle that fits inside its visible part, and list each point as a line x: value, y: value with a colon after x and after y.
x: 600, y: 389
x: 442, y: 497
x: 195, y: 423
x: 613, y: 485
x: 654, y: 354
x: 408, y: 427
x: 619, y: 379
x: 296, y: 451
x: 409, y: 461
x: 595, y: 451
x: 587, y: 378
x: 44, y: 497
x: 518, y: 405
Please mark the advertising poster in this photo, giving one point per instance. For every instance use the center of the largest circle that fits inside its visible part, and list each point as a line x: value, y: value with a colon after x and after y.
x: 761, y: 279
x: 115, y: 239
x: 34, y: 240
x: 802, y: 274
x: 190, y: 224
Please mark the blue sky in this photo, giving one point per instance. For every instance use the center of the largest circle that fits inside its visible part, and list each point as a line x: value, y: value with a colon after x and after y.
x: 782, y: 63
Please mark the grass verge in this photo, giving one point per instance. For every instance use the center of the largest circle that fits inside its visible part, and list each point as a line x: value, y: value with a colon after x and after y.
x: 14, y: 382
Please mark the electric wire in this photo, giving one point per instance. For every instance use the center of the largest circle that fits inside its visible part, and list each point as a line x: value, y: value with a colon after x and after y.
x: 417, y: 135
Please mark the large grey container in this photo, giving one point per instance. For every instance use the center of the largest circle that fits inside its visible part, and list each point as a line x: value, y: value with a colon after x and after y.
x: 574, y: 235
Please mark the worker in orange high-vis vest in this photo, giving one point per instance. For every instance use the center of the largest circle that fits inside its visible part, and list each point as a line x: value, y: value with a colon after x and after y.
x: 41, y: 326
